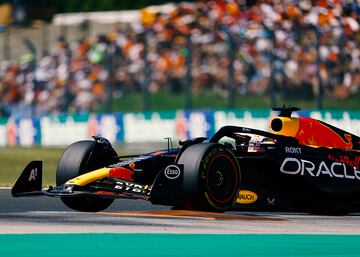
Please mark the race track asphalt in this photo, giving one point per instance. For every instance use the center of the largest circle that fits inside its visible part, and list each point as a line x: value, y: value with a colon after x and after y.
x: 49, y: 215
x: 43, y: 226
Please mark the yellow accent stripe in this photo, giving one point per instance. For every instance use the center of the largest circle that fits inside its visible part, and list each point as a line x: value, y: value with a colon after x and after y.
x: 87, y: 178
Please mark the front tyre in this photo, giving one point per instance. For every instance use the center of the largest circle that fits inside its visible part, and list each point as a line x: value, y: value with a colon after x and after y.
x: 211, y: 177
x: 79, y: 158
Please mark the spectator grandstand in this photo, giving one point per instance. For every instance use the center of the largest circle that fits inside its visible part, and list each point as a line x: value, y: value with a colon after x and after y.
x: 302, y: 47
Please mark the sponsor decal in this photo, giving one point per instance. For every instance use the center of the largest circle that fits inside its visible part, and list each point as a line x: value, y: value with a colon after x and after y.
x: 209, y: 157
x: 348, y: 121
x: 172, y: 172
x: 246, y: 197
x: 33, y: 175
x: 271, y: 201
x: 354, y: 162
x: 296, y: 150
x: 132, y: 187
x: 313, y: 132
x: 294, y: 166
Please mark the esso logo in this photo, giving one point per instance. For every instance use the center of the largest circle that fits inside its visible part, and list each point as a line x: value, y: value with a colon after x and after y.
x: 172, y: 172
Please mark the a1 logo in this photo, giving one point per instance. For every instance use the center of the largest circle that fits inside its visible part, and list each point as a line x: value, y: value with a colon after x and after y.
x: 33, y: 174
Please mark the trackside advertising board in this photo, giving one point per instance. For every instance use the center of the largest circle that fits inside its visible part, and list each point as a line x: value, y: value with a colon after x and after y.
x: 149, y: 126
x: 110, y: 126
x: 257, y: 119
x: 142, y: 127
x: 63, y: 129
x: 3, y: 132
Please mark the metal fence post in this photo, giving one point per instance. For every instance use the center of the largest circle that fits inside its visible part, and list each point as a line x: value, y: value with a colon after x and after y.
x: 68, y: 94
x: 147, y: 74
x: 319, y: 97
x: 230, y: 78
x: 7, y: 54
x: 188, y: 76
x: 64, y: 32
x: 33, y: 65
x: 272, y: 78
x: 108, y: 65
x: 44, y: 38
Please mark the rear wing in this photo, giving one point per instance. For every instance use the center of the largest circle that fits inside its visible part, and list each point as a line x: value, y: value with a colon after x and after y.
x: 30, y: 180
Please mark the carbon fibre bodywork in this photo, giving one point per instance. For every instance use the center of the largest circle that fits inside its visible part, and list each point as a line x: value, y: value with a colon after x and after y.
x: 291, y: 168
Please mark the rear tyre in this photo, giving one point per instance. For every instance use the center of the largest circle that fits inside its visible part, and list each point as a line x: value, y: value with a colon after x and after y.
x: 79, y: 158
x: 211, y: 177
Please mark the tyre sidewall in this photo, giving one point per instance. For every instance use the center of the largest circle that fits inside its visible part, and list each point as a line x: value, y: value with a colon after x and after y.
x: 214, y: 154
x: 197, y: 160
x: 74, y: 160
x: 77, y: 159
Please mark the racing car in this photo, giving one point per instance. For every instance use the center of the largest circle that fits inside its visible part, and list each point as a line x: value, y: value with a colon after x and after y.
x: 301, y: 164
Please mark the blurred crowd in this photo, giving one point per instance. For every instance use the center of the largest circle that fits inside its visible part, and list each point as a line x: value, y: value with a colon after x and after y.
x: 296, y: 48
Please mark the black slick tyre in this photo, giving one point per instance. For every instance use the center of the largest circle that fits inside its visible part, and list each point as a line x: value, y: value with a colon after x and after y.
x: 79, y: 158
x: 211, y: 177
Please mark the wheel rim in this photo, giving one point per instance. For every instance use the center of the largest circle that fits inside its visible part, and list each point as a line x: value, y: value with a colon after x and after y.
x: 221, y: 178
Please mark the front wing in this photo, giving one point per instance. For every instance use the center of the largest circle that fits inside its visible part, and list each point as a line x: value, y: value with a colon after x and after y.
x: 166, y: 188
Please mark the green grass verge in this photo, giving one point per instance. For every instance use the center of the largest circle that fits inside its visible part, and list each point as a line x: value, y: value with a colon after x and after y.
x: 209, y: 100
x: 14, y: 159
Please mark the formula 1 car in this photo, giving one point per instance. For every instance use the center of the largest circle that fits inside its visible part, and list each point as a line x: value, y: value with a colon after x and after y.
x: 302, y: 164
